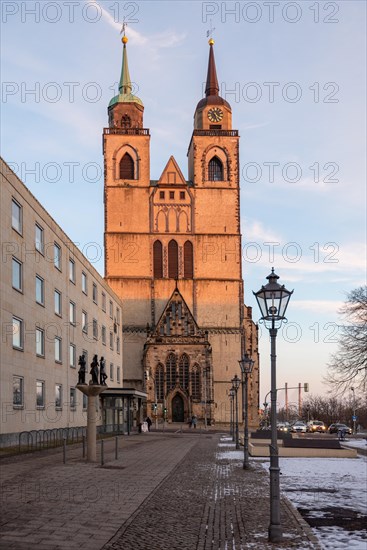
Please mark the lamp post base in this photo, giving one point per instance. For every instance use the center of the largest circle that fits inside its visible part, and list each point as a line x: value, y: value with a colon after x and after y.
x: 275, y: 533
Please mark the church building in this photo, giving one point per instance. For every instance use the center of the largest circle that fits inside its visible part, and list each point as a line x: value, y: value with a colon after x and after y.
x: 173, y: 256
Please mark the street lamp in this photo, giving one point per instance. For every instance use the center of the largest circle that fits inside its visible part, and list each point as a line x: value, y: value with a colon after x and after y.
x: 231, y: 397
x: 354, y: 410
x: 273, y: 300
x: 236, y: 382
x: 246, y: 366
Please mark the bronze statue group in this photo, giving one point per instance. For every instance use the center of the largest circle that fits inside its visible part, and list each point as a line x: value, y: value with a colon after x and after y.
x: 94, y: 371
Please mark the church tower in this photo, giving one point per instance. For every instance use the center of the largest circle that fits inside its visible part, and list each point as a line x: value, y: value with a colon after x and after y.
x: 173, y: 255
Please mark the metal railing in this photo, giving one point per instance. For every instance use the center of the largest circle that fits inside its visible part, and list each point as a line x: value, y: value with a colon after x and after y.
x: 36, y: 440
x: 127, y: 131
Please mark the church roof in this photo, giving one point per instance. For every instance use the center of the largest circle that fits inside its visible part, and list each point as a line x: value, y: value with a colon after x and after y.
x: 212, y: 96
x: 125, y: 85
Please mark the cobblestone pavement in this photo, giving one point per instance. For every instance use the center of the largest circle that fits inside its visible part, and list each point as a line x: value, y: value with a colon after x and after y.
x: 166, y: 491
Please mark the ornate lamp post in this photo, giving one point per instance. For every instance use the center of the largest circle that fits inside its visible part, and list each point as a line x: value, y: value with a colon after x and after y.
x: 236, y: 382
x: 246, y: 365
x: 273, y: 300
x: 231, y: 397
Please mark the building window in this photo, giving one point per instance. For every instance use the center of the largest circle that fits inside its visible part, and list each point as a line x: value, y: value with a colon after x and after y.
x: 111, y: 371
x: 171, y: 194
x: 182, y: 195
x: 85, y: 402
x: 39, y: 239
x: 72, y: 398
x: 126, y: 167
x: 161, y: 194
x: 85, y: 322
x: 158, y: 260
x: 171, y: 372
x: 215, y: 170
x: 118, y: 344
x: 18, y: 391
x: 103, y: 335
x: 72, y: 313
x: 58, y: 355
x: 17, y: 333
x: 40, y: 394
x: 57, y: 256
x: 95, y: 293
x: 16, y: 216
x: 183, y: 371
x: 40, y: 342
x: 40, y: 290
x: 188, y: 260
x: 57, y: 300
x: 173, y: 260
x: 111, y: 309
x: 111, y: 340
x: 118, y: 375
x: 17, y: 274
x: 58, y: 396
x: 95, y: 329
x: 72, y: 355
x: 71, y: 270
x: 195, y: 383
x: 103, y: 301
x: 159, y: 380
x: 118, y: 315
x: 126, y: 122
x: 84, y: 283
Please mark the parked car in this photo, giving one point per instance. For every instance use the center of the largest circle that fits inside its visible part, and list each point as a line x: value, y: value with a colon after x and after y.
x: 283, y: 426
x: 334, y: 428
x: 316, y: 426
x: 299, y: 427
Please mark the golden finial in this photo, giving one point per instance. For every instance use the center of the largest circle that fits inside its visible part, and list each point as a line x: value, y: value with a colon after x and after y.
x: 211, y: 42
x: 124, y: 39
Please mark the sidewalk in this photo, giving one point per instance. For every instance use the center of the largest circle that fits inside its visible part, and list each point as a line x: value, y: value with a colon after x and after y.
x: 166, y: 491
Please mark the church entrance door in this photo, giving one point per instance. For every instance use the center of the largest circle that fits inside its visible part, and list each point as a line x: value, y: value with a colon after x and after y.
x: 178, y: 412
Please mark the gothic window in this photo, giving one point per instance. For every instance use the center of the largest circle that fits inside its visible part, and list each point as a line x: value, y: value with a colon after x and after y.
x: 183, y: 370
x: 157, y: 260
x: 173, y: 260
x: 171, y: 373
x: 195, y: 383
x: 126, y: 122
x: 188, y: 260
x: 126, y: 167
x: 215, y: 169
x: 159, y: 381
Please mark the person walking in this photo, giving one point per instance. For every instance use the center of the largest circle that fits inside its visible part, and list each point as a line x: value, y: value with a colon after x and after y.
x: 149, y: 422
x: 194, y: 420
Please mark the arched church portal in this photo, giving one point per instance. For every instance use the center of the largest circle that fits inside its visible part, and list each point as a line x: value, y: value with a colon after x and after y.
x: 178, y: 408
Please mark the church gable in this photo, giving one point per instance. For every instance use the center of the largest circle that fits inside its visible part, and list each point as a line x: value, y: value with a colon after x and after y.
x: 177, y: 319
x: 172, y: 174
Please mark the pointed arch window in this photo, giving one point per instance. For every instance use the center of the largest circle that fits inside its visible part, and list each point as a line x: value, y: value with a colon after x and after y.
x: 188, y: 260
x: 173, y: 260
x: 195, y: 382
x: 171, y: 371
x: 126, y: 167
x: 183, y: 371
x: 215, y: 169
x: 159, y: 381
x: 157, y: 260
x: 126, y: 122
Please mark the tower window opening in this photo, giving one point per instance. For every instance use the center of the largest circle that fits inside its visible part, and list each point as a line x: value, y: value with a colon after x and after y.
x: 158, y: 260
x: 215, y: 170
x: 126, y: 167
x: 126, y: 122
x: 188, y: 260
x: 173, y: 260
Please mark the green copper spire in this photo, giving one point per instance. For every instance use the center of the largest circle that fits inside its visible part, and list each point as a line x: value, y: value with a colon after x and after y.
x: 125, y: 86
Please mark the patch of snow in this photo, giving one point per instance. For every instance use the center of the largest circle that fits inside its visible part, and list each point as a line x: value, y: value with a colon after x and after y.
x: 230, y: 455
x: 336, y: 537
x: 355, y: 443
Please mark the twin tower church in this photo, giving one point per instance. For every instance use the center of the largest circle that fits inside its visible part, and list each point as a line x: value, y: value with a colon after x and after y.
x: 173, y: 256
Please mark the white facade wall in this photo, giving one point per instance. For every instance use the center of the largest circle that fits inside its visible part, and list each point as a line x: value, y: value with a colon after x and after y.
x: 20, y: 411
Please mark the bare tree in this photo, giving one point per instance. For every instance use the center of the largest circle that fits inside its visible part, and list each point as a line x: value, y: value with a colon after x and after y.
x: 348, y: 366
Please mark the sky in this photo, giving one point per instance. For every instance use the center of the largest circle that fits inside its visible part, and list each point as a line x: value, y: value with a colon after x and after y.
x: 294, y: 74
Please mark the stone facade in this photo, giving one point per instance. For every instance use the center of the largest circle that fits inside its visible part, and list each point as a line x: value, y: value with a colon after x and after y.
x: 177, y: 241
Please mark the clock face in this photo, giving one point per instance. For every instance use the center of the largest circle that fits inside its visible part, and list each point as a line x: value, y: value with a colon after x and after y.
x: 215, y: 114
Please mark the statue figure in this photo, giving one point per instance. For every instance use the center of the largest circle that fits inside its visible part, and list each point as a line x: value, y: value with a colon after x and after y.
x: 102, y: 372
x: 94, y: 370
x: 82, y: 371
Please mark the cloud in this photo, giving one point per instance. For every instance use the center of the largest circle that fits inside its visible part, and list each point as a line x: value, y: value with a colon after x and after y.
x: 318, y: 306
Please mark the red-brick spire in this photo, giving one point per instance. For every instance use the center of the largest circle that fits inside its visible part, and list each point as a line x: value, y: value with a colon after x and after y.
x: 212, y: 87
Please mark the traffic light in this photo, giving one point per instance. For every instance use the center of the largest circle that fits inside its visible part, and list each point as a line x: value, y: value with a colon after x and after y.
x: 306, y: 387
x: 165, y: 410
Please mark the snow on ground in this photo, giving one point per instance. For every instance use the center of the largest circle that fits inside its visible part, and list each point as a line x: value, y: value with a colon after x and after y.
x: 355, y: 443
x: 325, y: 487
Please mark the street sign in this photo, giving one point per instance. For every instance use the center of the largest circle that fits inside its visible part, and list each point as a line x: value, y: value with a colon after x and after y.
x: 354, y: 418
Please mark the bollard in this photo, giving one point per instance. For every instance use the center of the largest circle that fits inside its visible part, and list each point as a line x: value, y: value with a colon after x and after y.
x: 102, y: 452
x: 83, y: 446
x: 64, y: 451
x: 116, y: 447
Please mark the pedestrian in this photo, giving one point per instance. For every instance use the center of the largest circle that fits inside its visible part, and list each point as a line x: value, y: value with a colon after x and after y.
x: 194, y: 420
x: 149, y: 422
